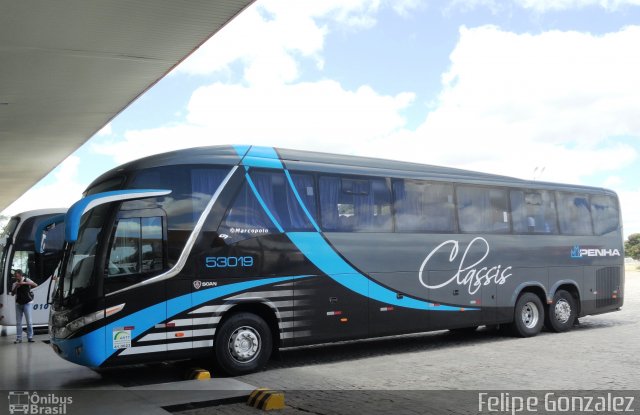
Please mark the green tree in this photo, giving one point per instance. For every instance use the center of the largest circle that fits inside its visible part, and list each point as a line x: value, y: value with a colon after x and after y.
x: 3, y: 222
x: 632, y: 246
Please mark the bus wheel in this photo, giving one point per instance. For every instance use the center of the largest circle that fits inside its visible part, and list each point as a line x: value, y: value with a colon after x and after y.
x: 562, y: 313
x: 242, y: 344
x: 528, y: 316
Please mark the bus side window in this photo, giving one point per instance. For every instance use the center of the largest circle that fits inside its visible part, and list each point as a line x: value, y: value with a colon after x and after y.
x: 423, y: 206
x: 605, y: 214
x: 306, y: 190
x: 482, y: 209
x: 137, y: 247
x: 355, y: 205
x: 276, y: 192
x: 574, y: 213
x: 533, y: 211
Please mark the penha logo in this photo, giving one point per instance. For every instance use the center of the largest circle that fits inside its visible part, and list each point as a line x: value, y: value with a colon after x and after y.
x: 575, y: 251
x: 578, y: 252
x: 33, y: 403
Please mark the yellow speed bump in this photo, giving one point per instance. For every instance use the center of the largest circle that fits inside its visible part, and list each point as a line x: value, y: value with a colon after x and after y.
x: 199, y: 374
x: 266, y: 399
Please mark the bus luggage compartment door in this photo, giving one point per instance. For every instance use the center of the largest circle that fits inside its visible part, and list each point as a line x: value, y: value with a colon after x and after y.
x: 467, y: 299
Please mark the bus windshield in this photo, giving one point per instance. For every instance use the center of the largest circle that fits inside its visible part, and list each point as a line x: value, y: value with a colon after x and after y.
x: 6, y: 234
x: 78, y: 274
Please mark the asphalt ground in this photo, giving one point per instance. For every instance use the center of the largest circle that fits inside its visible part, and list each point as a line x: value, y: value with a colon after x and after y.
x: 441, y: 372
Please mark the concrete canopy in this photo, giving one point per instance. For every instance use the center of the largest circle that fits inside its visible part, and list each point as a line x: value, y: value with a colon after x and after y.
x: 67, y: 67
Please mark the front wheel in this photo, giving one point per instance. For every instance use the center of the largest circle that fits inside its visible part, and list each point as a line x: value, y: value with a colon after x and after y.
x: 528, y: 315
x: 562, y: 313
x: 243, y: 344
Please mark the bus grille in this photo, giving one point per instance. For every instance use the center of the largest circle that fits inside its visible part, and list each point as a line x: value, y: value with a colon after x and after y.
x: 608, y: 286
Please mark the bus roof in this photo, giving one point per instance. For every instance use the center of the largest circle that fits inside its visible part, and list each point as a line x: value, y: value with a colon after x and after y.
x: 333, y: 163
x: 38, y: 212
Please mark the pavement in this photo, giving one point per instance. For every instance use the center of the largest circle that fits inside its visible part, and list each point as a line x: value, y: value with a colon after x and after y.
x: 436, y: 372
x: 441, y: 372
x: 56, y: 386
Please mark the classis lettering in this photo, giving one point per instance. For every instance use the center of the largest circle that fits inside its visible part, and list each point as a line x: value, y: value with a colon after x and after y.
x: 468, y: 274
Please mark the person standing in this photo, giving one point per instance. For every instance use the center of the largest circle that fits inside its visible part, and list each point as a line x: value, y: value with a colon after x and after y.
x: 24, y: 297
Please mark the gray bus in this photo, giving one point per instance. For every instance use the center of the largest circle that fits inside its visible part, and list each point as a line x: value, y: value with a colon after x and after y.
x: 231, y: 252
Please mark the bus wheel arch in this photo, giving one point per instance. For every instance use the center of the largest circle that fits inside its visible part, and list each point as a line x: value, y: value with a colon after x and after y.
x: 529, y: 312
x: 564, y: 309
x: 245, y: 338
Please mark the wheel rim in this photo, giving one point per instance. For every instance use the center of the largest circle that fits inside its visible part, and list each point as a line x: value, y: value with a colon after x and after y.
x: 530, y: 315
x: 562, y: 311
x: 245, y: 344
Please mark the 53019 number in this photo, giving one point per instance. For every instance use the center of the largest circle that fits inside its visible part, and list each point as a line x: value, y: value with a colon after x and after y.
x: 228, y: 261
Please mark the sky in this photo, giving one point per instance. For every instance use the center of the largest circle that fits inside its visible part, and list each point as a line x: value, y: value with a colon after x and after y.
x: 536, y: 89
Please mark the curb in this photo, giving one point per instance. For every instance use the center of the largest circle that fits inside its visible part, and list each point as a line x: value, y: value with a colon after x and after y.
x: 266, y: 399
x: 199, y: 374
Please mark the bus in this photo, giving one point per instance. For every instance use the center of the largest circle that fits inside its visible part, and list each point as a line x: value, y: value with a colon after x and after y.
x: 17, y: 250
x: 232, y: 252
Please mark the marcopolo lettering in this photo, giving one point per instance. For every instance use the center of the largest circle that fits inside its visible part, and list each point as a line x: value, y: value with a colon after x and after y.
x: 250, y: 231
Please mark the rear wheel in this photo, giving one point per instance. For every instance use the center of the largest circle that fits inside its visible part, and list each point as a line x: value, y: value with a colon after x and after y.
x: 562, y: 313
x: 528, y: 316
x: 243, y: 344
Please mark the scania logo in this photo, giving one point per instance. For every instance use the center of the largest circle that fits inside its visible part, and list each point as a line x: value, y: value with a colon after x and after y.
x: 197, y: 284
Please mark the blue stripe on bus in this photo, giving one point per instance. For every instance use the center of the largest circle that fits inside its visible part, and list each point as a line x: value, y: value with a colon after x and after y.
x: 75, y: 212
x: 323, y: 256
x: 97, y: 346
x: 265, y: 157
x: 262, y: 203
x: 241, y: 150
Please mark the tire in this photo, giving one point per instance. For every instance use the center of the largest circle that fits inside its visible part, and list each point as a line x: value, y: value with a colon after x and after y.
x: 562, y: 313
x: 242, y: 344
x: 528, y: 316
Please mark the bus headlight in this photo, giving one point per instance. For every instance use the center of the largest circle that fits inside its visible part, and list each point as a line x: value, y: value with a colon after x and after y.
x: 79, y: 323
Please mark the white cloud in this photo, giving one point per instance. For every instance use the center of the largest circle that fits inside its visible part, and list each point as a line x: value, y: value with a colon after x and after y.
x: 316, y: 116
x: 104, y: 131
x: 271, y: 35
x: 541, y: 6
x: 556, y: 5
x: 629, y: 200
x: 512, y: 102
x: 62, y: 192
